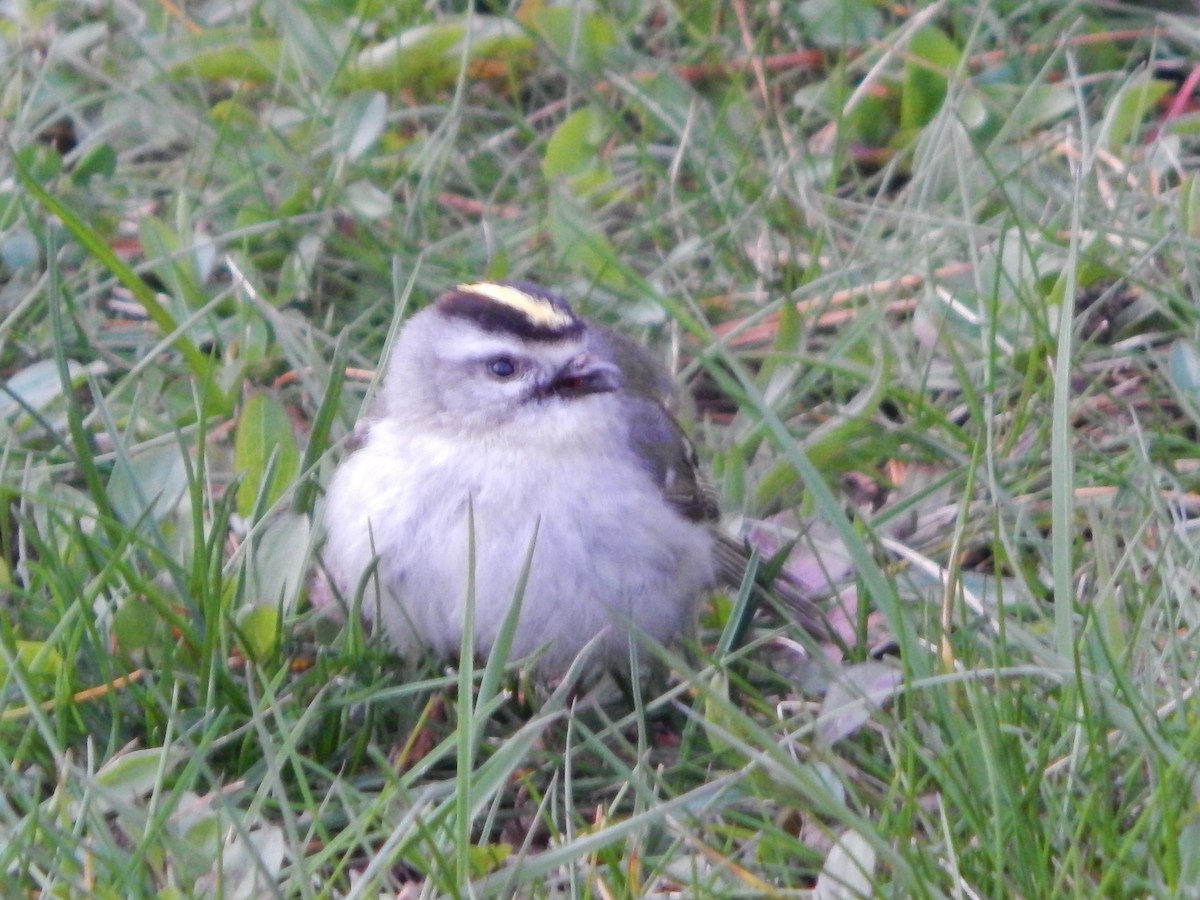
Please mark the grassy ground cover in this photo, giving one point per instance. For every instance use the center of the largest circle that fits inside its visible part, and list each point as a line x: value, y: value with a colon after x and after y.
x: 930, y: 272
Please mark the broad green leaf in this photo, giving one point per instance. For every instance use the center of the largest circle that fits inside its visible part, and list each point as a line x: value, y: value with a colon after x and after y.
x: 166, y: 252
x: 19, y: 249
x: 137, y: 625
x: 419, y: 56
x: 34, y: 387
x: 672, y: 104
x: 296, y: 273
x: 365, y: 199
x: 79, y: 42
x: 232, y: 114
x: 429, y: 57
x: 1128, y: 110
x: 583, y: 39
x: 133, y: 775
x: 360, y: 121
x: 573, y: 147
x: 487, y: 858
x: 580, y: 242
x: 280, y: 561
x: 37, y: 658
x: 258, y: 631
x: 100, y: 161
x: 1021, y: 110
x: 932, y: 56
x: 872, y: 121
x: 499, y: 47
x: 151, y: 482
x: 201, y: 825
x: 840, y: 23
x: 265, y: 444
x: 40, y: 161
x: 1184, y: 366
x: 232, y: 57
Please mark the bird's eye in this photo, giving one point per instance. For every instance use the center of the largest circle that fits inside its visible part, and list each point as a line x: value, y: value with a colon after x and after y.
x: 502, y: 366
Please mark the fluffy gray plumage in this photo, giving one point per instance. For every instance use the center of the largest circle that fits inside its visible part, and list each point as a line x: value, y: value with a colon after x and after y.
x: 523, y: 417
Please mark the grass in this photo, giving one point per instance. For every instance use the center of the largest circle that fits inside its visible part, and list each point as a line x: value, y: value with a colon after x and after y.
x: 930, y: 273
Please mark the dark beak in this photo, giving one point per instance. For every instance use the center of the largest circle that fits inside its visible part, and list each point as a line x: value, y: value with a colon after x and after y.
x: 583, y: 375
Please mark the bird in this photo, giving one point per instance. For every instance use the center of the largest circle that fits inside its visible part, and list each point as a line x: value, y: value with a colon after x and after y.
x: 509, y: 432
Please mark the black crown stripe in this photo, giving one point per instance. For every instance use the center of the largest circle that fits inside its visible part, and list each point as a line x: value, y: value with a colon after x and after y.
x: 519, y: 308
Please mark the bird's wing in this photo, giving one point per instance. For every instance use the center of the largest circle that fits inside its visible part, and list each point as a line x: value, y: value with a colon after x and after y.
x: 655, y: 435
x: 663, y: 448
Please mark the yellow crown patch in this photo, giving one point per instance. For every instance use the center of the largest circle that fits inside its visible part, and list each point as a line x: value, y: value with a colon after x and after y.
x: 541, y: 312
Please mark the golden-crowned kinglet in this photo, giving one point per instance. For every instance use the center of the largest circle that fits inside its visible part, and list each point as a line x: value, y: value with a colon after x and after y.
x: 553, y: 439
